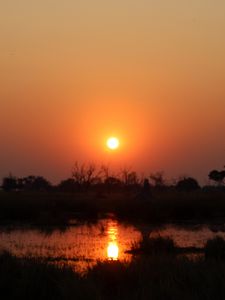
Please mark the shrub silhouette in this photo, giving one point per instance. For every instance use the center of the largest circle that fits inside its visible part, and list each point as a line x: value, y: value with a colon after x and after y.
x: 188, y: 184
x: 155, y: 245
x: 215, y: 248
x: 217, y: 176
x: 68, y: 185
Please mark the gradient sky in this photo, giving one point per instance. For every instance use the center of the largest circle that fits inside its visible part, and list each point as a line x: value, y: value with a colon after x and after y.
x: 73, y: 73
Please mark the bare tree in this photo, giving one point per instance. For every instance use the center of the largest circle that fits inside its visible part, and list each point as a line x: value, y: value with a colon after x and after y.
x: 158, y: 179
x: 78, y: 173
x: 105, y: 172
x: 124, y: 173
x: 85, y: 174
x: 128, y: 176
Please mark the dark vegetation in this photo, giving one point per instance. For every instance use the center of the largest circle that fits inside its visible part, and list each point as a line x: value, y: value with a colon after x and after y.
x: 57, y: 208
x: 159, y: 269
x: 165, y: 245
x: 158, y: 275
x: 153, y: 246
x: 92, y: 192
x: 217, y: 176
x: 215, y: 248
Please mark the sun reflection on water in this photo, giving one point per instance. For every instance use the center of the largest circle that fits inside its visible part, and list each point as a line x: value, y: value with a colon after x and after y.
x: 113, y: 251
x: 83, y: 246
x: 113, y: 248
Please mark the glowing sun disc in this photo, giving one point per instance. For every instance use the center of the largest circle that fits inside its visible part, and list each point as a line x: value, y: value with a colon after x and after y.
x: 113, y: 143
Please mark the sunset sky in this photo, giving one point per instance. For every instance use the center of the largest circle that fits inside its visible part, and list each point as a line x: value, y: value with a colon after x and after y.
x: 75, y: 72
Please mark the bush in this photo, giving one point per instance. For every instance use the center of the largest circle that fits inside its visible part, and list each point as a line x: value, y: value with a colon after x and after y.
x: 188, y: 184
x: 155, y: 246
x: 215, y: 248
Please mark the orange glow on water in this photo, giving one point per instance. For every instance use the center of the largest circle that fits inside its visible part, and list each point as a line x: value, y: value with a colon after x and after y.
x: 81, y: 247
x: 113, y: 251
x: 113, y: 248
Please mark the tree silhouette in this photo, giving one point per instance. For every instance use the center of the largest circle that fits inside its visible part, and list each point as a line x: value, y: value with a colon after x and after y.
x: 9, y: 183
x: 217, y: 176
x: 85, y: 174
x: 129, y: 177
x: 68, y: 185
x: 35, y: 183
x: 187, y: 184
x: 146, y: 185
x: 158, y: 179
x: 145, y: 194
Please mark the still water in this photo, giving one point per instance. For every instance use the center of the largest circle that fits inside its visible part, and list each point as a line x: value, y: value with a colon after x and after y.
x: 83, y: 246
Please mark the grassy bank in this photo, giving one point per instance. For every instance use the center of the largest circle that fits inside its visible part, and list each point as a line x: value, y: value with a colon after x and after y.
x: 154, y: 277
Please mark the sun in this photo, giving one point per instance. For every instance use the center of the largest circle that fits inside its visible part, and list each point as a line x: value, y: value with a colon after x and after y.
x: 113, y: 143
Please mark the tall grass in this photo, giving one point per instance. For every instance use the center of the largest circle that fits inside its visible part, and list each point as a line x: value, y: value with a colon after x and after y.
x: 31, y: 279
x: 57, y: 208
x: 157, y: 277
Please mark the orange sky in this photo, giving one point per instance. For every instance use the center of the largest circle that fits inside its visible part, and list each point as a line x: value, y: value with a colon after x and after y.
x: 73, y: 73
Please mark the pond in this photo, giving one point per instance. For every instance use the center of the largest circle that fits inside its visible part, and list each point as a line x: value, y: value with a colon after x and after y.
x: 84, y: 245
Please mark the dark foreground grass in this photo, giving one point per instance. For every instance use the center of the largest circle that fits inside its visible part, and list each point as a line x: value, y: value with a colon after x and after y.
x: 54, y: 208
x: 32, y: 279
x: 156, y: 277
x: 215, y: 248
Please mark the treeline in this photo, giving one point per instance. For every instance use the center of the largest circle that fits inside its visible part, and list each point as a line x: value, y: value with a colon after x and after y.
x: 89, y: 176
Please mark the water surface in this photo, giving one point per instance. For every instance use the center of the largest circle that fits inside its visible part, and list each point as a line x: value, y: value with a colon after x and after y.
x: 84, y: 245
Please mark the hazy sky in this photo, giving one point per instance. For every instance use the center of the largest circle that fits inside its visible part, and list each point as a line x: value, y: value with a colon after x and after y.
x: 73, y: 73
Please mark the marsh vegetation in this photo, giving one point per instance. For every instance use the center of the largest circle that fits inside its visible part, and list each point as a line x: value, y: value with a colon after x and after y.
x: 156, y: 276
